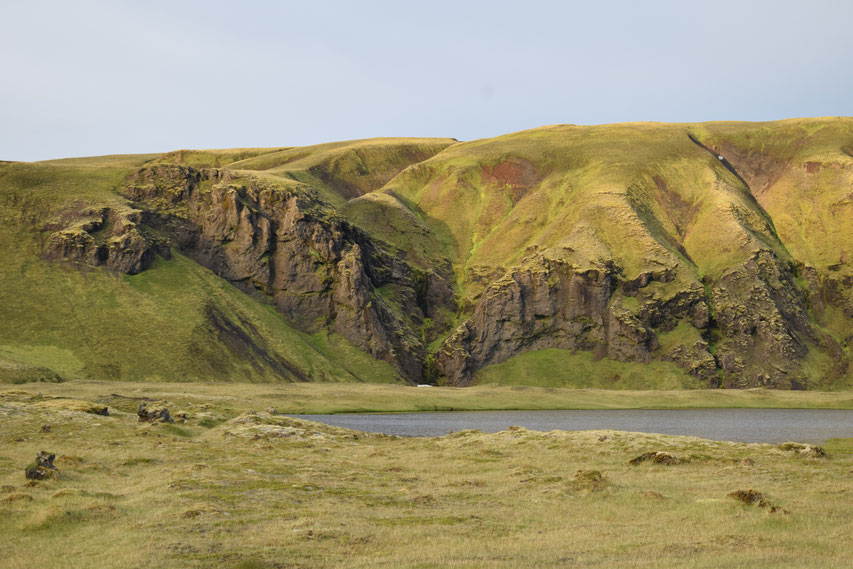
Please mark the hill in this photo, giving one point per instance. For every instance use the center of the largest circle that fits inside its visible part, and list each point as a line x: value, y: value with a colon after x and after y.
x: 637, y: 255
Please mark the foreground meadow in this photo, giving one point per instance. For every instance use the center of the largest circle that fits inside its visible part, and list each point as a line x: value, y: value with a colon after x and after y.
x: 232, y: 483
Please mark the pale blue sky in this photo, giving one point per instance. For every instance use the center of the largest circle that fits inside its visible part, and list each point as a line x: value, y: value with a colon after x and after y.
x: 86, y: 77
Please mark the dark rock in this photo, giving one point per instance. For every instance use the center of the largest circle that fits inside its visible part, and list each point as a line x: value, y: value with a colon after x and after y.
x: 154, y: 414
x: 750, y: 497
x: 43, y: 467
x: 109, y: 238
x: 550, y: 303
x: 763, y: 318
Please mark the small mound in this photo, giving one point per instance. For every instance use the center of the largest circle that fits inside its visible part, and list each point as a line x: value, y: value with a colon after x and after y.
x: 590, y: 481
x: 656, y: 457
x: 17, y: 497
x: 66, y: 493
x: 201, y: 510
x: 263, y: 425
x: 76, y: 405
x: 802, y: 449
x: 42, y: 468
x: 755, y: 498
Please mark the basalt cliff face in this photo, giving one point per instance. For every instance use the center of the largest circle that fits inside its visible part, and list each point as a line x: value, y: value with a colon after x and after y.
x: 721, y: 248
x: 295, y: 250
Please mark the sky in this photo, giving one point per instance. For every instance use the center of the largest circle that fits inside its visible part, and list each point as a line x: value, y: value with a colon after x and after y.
x: 87, y: 78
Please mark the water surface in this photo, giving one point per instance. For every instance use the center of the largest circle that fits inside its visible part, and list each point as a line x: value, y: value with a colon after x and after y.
x: 740, y: 425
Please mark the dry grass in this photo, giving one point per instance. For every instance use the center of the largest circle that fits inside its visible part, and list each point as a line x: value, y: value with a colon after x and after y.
x: 258, y: 490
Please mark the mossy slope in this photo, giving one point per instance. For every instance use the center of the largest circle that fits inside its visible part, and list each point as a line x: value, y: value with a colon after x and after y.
x: 175, y: 321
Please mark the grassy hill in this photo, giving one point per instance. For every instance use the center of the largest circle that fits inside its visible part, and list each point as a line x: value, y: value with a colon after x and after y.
x: 176, y: 321
x: 634, y: 255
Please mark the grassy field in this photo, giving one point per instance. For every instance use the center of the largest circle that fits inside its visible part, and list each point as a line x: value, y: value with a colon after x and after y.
x: 325, y: 398
x: 239, y: 489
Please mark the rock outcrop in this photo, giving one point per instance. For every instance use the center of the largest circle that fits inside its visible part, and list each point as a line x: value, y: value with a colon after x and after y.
x: 43, y: 467
x: 287, y: 245
x: 106, y: 238
x: 549, y: 303
x: 153, y: 414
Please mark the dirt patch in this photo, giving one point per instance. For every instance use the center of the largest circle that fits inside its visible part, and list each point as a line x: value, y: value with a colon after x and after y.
x: 201, y: 510
x: 759, y: 169
x: 516, y: 175
x: 755, y: 498
x: 812, y: 167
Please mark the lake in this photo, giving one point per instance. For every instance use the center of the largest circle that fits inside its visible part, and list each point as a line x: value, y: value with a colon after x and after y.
x: 739, y: 425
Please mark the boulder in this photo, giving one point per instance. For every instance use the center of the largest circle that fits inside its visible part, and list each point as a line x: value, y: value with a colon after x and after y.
x: 43, y: 467
x: 154, y: 414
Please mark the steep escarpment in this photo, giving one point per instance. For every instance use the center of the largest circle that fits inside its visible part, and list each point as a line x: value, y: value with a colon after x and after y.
x: 283, y: 242
x: 638, y: 243
x: 717, y: 251
x: 549, y: 303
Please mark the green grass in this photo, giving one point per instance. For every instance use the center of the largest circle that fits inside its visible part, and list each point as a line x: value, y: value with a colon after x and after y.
x: 326, y: 398
x: 267, y: 491
x: 562, y: 368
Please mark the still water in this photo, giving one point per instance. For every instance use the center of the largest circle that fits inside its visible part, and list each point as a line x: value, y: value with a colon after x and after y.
x: 741, y: 425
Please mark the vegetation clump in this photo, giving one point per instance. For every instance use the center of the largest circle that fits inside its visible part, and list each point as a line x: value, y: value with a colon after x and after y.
x: 590, y: 481
x: 656, y: 457
x: 803, y: 449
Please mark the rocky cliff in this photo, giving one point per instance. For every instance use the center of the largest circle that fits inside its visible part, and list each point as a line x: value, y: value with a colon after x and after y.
x: 720, y: 247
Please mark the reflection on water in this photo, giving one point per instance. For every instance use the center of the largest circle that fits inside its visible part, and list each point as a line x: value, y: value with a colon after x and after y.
x: 742, y: 425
